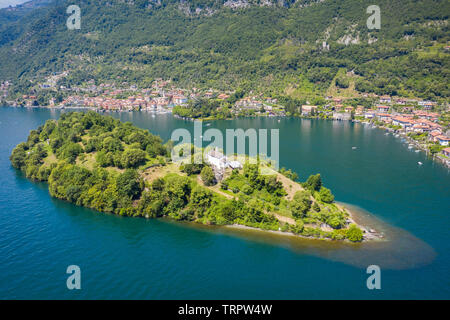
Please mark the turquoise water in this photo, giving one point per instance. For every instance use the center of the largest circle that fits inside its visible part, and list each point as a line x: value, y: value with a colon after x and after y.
x: 158, y: 259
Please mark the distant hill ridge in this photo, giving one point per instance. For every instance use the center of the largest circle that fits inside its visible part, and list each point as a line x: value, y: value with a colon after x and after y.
x: 297, y: 48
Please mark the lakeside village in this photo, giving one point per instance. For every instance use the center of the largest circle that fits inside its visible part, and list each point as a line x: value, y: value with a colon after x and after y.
x: 424, y: 125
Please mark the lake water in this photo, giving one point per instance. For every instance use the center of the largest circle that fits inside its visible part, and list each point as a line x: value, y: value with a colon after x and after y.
x: 158, y: 259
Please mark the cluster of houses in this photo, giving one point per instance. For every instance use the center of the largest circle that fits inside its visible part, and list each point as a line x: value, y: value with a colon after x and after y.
x: 162, y: 96
x: 29, y: 100
x: 114, y: 104
x: 411, y: 115
x: 419, y: 122
x: 4, y: 86
x: 263, y: 105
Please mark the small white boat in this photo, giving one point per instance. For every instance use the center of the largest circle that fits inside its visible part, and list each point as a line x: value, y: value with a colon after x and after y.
x: 417, y: 151
x: 420, y: 163
x: 354, y: 148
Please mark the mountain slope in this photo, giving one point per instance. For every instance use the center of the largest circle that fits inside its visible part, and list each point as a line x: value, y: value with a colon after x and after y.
x: 277, y: 48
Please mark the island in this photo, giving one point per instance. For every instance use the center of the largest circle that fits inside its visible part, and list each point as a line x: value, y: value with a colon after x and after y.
x: 99, y: 162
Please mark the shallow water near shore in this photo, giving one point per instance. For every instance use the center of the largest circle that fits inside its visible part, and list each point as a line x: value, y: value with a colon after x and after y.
x: 397, y: 250
x: 126, y: 258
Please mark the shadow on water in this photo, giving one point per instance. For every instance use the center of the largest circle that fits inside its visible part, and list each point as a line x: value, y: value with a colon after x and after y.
x: 399, y: 250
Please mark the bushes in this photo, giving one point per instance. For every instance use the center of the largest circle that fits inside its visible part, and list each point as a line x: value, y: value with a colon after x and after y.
x: 201, y: 198
x: 132, y: 158
x: 130, y: 184
x: 18, y: 156
x: 325, y: 195
x: 207, y: 176
x: 191, y: 168
x: 301, y: 204
x: 104, y: 159
x: 335, y: 222
x: 316, y: 207
x: 69, y: 151
x: 342, y: 82
x: 298, y: 227
x: 354, y: 233
x: 247, y: 189
x: 289, y: 174
x: 339, y: 234
x: 314, y: 182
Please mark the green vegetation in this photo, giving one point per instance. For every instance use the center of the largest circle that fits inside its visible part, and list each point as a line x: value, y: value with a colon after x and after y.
x: 204, y: 109
x: 289, y: 174
x: 101, y: 163
x: 354, y: 233
x: 207, y: 175
x: 276, y: 50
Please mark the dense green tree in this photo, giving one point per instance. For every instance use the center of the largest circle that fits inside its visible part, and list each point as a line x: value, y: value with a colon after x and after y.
x: 18, y: 156
x: 207, y: 176
x: 325, y: 195
x: 300, y: 204
x: 314, y: 182
x: 69, y: 151
x: 201, y: 198
x: 132, y: 158
x: 354, y: 233
x: 130, y: 184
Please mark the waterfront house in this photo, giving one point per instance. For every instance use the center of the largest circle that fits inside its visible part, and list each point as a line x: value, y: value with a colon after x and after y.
x: 342, y: 116
x: 402, y: 121
x: 386, y: 117
x: 348, y: 109
x: 443, y: 140
x: 179, y: 99
x: 420, y: 128
x: 446, y: 152
x: 434, y: 134
x: 307, y: 110
x: 339, y: 107
x: 359, y: 110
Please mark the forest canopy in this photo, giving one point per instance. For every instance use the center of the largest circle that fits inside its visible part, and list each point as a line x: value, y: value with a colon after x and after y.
x: 276, y: 50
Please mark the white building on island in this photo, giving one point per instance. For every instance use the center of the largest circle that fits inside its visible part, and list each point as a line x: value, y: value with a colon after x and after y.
x: 220, y: 161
